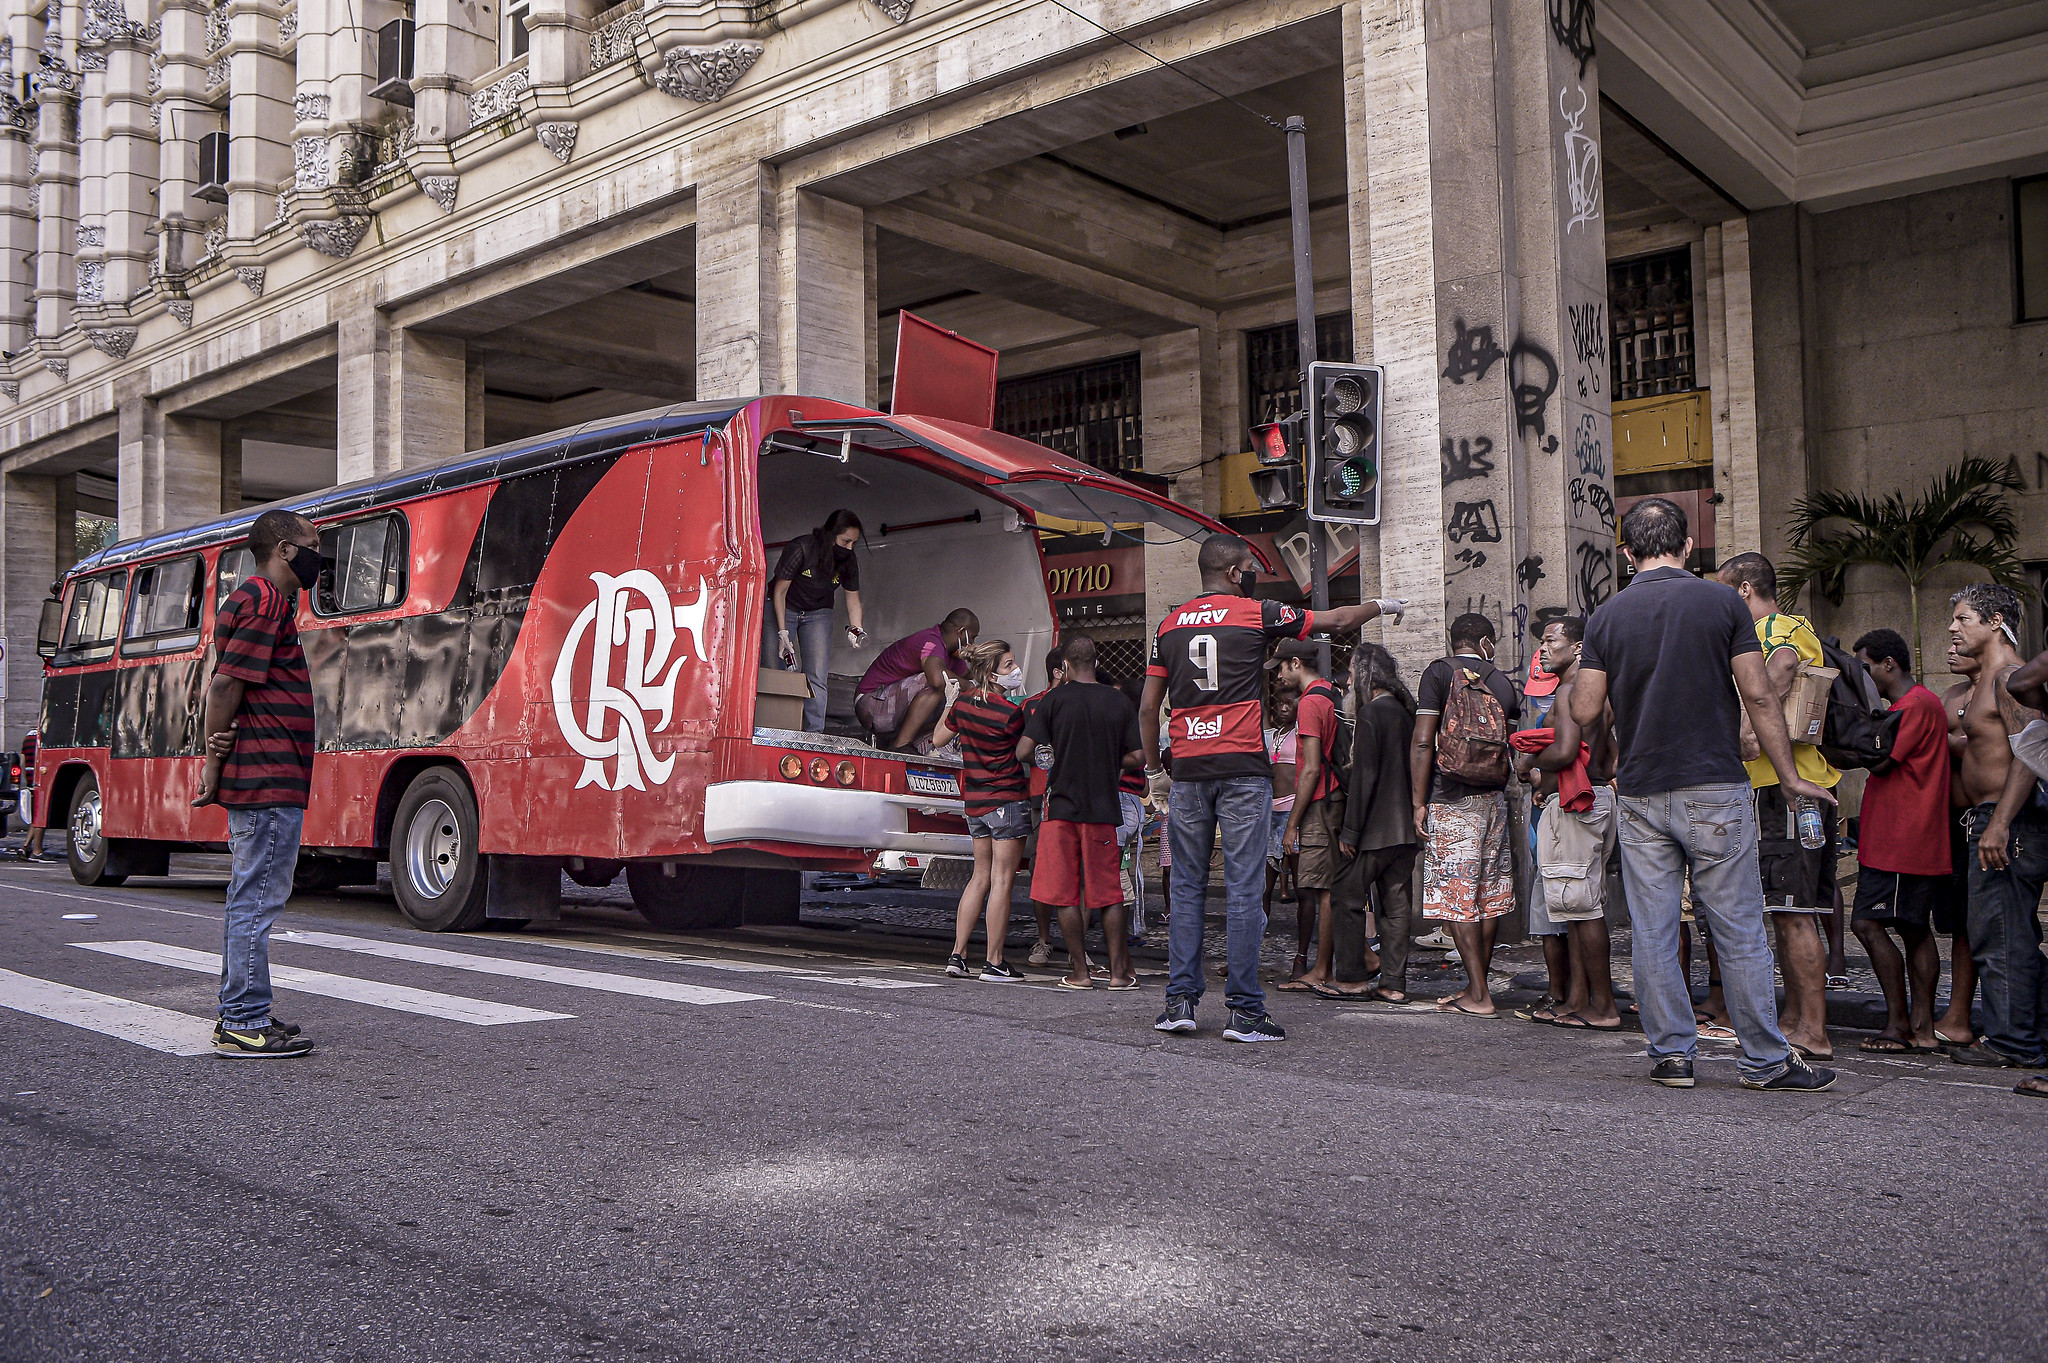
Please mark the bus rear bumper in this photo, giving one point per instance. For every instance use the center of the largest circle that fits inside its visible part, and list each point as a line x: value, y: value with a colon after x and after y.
x: 780, y: 811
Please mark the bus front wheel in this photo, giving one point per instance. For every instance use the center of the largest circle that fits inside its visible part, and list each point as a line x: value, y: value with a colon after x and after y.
x: 89, y: 846
x: 436, y: 872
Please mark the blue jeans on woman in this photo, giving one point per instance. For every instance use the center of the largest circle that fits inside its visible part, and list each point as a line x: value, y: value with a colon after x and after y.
x: 1243, y: 806
x: 1710, y: 830
x: 811, y: 632
x: 265, y: 843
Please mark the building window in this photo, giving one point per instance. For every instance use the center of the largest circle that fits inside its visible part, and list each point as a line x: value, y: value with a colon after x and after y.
x: 1273, y: 368
x: 1091, y: 412
x: 1650, y: 302
x: 2030, y: 243
x: 512, y: 39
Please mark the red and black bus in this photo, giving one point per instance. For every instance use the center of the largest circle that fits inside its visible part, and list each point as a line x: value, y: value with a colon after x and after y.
x: 546, y: 656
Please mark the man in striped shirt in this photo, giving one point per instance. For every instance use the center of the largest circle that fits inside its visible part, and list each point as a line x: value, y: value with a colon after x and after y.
x: 259, y: 763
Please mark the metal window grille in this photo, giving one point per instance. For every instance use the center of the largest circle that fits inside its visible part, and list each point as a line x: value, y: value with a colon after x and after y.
x: 1273, y: 367
x: 1090, y: 412
x: 1122, y: 656
x: 1650, y: 304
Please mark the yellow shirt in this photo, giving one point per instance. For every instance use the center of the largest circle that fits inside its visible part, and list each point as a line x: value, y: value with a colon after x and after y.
x: 1775, y: 632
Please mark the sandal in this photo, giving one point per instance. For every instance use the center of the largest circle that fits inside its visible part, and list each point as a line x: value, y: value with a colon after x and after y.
x: 1066, y: 983
x: 1714, y: 1031
x: 1451, y: 1005
x: 1885, y: 1045
x: 1131, y: 983
x: 1576, y: 1022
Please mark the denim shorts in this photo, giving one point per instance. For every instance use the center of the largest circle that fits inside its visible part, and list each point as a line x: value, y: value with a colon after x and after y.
x: 1005, y: 823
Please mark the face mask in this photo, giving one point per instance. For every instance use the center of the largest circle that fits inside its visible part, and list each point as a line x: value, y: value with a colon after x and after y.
x: 306, y: 566
x: 1247, y: 581
x: 1012, y: 680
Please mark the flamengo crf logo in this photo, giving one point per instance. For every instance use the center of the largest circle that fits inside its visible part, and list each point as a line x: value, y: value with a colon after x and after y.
x: 632, y: 628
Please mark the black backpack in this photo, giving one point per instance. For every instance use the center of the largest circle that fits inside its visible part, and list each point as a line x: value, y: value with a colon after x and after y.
x: 1337, y: 754
x: 1861, y: 731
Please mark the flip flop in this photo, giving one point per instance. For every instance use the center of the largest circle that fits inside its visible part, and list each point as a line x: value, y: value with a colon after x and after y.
x: 1324, y: 991
x: 1297, y: 987
x: 1132, y: 983
x: 2031, y: 1088
x: 1714, y: 1031
x: 1529, y: 1014
x: 1576, y: 1022
x: 1886, y: 1045
x: 1379, y: 996
x: 1808, y: 1053
x: 1451, y: 1005
x: 1066, y: 983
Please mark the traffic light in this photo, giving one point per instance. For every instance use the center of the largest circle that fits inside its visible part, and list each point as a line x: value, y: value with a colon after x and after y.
x: 1343, y: 442
x: 1277, y: 480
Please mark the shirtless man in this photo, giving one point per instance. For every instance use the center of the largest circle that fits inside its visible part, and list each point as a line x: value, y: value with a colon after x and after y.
x: 1954, y: 1028
x: 1589, y: 999
x: 2008, y: 840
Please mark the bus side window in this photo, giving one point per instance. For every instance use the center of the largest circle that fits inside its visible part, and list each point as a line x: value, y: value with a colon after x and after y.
x: 94, y: 622
x: 235, y: 566
x: 365, y: 565
x: 163, y: 610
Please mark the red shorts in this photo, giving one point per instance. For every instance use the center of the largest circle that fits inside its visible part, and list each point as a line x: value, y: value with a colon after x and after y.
x: 1078, y: 865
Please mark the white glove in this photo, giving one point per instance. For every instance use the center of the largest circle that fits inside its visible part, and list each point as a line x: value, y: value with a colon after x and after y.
x: 952, y: 689
x: 1391, y: 606
x: 786, y: 648
x: 1157, y: 785
x: 855, y: 636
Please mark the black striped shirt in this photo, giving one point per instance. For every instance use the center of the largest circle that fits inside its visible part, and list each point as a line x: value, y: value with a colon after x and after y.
x: 989, y: 724
x: 257, y: 634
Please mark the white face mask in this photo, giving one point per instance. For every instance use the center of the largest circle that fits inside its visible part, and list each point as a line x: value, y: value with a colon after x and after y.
x: 1012, y: 680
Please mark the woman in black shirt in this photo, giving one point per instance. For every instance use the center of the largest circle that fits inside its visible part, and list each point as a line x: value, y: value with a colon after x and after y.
x: 1379, y: 828
x: 812, y: 568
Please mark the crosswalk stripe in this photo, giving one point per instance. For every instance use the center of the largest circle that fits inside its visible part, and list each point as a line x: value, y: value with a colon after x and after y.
x: 521, y: 970
x: 426, y: 1002
x: 160, y: 1029
x: 803, y: 973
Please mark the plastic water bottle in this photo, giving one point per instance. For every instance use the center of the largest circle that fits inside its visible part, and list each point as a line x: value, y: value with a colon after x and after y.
x: 1811, y: 833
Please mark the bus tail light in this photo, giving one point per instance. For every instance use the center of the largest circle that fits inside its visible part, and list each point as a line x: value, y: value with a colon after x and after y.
x: 846, y: 773
x: 792, y: 766
x: 821, y: 770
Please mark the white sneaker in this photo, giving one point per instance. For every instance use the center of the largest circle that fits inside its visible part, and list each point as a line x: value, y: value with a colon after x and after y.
x: 1041, y: 954
x: 1437, y: 940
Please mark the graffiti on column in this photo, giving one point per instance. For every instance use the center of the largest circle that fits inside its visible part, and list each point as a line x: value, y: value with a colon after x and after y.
x: 1529, y: 572
x: 1477, y: 522
x: 1571, y: 23
x: 1533, y: 371
x: 1467, y: 459
x: 1472, y: 352
x: 1591, y: 494
x: 1595, y: 566
x: 1589, y: 339
x: 1581, y: 161
x: 1545, y: 618
x: 1467, y: 560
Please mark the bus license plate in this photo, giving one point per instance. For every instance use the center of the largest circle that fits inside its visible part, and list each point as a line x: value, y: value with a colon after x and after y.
x: 932, y: 783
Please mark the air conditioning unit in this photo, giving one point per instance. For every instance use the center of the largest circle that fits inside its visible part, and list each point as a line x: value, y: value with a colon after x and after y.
x: 213, y: 168
x: 394, y: 63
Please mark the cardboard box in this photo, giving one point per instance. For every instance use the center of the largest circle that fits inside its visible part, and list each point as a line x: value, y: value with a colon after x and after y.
x: 779, y: 699
x: 1806, y: 705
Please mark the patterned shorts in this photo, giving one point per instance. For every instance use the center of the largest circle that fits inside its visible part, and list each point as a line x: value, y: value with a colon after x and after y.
x: 1468, y: 861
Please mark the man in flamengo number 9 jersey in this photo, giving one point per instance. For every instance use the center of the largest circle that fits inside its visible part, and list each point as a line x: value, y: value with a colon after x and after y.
x: 1208, y: 667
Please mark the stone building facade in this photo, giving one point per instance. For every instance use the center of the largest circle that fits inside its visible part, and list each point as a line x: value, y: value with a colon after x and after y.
x: 1728, y: 250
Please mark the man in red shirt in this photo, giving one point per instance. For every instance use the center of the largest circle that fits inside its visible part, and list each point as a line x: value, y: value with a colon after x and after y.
x: 1208, y: 666
x: 1904, y: 872
x: 1317, y: 815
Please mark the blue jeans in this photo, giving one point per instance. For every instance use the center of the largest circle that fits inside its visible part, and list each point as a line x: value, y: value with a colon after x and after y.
x: 811, y: 632
x: 1712, y: 831
x: 2005, y: 936
x: 265, y: 843
x: 1243, y: 805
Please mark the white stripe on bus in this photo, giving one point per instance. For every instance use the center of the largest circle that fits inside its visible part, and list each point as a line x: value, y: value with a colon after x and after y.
x: 426, y: 1002
x: 160, y: 1029
x: 520, y: 970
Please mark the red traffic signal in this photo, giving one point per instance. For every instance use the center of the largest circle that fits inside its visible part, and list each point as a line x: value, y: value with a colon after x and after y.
x: 1278, y: 442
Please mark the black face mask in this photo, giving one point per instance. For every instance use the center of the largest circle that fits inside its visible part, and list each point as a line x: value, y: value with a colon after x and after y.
x: 1247, y: 581
x: 306, y: 566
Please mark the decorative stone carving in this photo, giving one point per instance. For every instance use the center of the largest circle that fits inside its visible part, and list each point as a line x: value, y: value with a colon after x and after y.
x: 156, y: 116
x: 115, y: 341
x: 91, y: 58
x: 899, y: 10
x: 217, y: 74
x: 216, y: 235
x: 309, y: 106
x: 559, y: 138
x: 288, y: 25
x: 14, y: 118
x: 284, y: 208
x: 92, y: 281
x: 53, y: 77
x: 388, y: 151
x: 156, y: 73
x: 498, y: 98
x: 617, y: 41
x: 217, y: 29
x: 441, y: 189
x: 11, y: 389
x: 309, y: 163
x: 252, y: 276
x: 705, y: 74
x: 180, y: 308
x: 57, y: 365
x: 351, y: 160
x: 106, y: 20
x: 335, y: 237
x: 89, y: 234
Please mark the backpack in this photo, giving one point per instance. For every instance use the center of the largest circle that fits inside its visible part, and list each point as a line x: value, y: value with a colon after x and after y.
x: 1472, y: 740
x: 1338, y: 755
x: 1861, y: 732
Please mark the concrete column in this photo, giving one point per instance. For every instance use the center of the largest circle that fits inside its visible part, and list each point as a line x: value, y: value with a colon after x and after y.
x: 737, y: 271
x: 404, y: 396
x: 260, y: 89
x: 28, y: 560
x: 1358, y: 215
x: 183, y: 118
x: 1177, y: 381
x: 1731, y: 370
x: 17, y: 217
x: 456, y: 42
x: 826, y: 295
x: 56, y: 184
x: 337, y: 67
x: 558, y: 41
x: 170, y: 468
x: 474, y: 436
x: 130, y: 163
x: 1782, y: 377
x: 230, y: 468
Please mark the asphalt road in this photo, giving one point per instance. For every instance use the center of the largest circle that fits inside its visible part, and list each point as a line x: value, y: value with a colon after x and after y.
x: 734, y: 1149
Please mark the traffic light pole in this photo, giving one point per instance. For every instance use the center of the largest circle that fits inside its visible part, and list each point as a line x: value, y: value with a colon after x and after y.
x: 1305, y: 320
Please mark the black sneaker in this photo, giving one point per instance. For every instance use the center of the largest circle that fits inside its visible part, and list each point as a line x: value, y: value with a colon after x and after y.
x: 1001, y: 972
x: 1982, y: 1056
x: 1253, y: 1027
x: 1178, y: 1017
x: 1673, y: 1072
x: 288, y: 1028
x: 1799, y: 1077
x: 269, y: 1044
x: 956, y: 966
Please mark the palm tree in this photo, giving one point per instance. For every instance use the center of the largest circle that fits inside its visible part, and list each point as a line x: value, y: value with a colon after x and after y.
x: 1963, y: 517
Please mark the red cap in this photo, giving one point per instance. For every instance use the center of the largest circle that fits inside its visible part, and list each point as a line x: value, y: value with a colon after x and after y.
x: 1540, y: 683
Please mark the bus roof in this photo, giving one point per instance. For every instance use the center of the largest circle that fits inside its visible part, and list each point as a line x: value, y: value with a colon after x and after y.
x: 592, y: 438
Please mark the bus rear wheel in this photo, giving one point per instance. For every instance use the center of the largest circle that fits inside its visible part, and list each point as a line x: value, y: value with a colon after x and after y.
x: 682, y: 897
x: 437, y: 873
x: 89, y: 844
